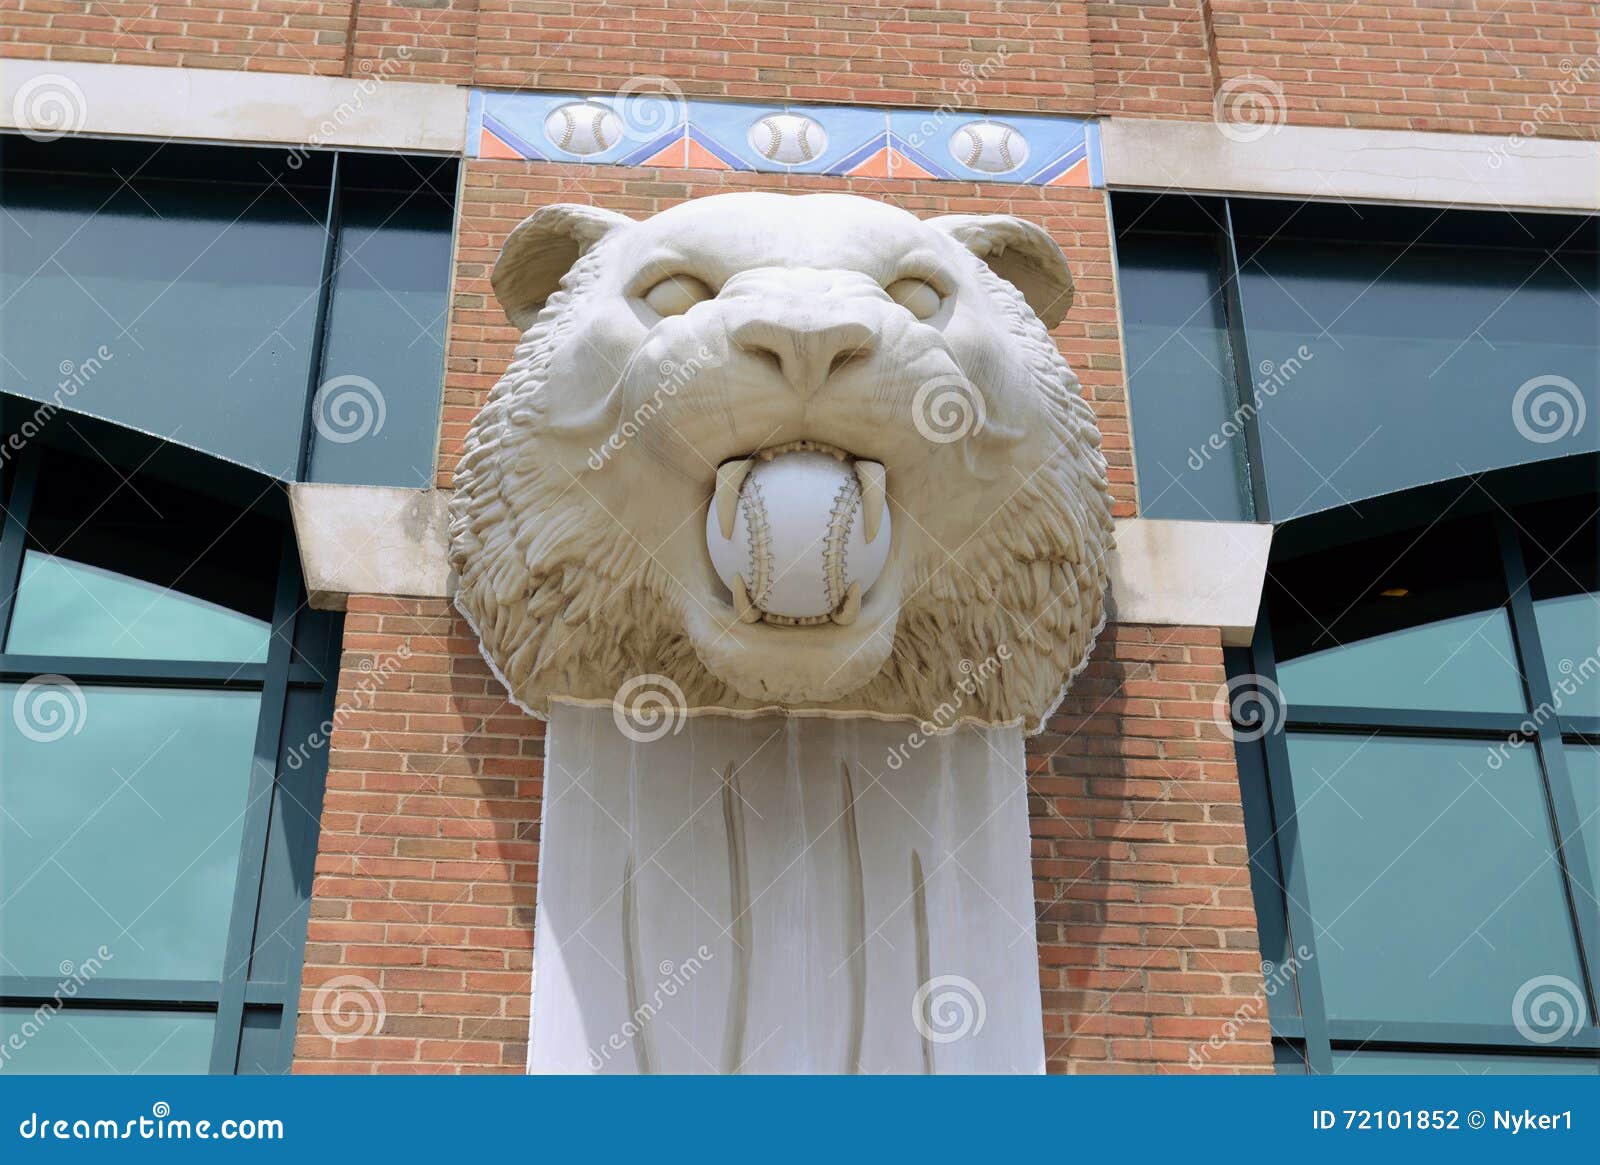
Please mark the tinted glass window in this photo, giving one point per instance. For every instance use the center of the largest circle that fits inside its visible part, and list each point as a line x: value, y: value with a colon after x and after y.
x: 179, y: 304
x: 1430, y: 875
x: 108, y: 1042
x: 123, y: 813
x: 1372, y: 1063
x: 1189, y: 444
x: 383, y: 364
x: 141, y: 570
x: 1410, y: 621
x: 1423, y: 329
x: 1561, y: 545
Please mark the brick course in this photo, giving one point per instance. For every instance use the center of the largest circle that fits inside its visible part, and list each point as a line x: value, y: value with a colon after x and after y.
x: 1004, y: 54
x: 426, y: 867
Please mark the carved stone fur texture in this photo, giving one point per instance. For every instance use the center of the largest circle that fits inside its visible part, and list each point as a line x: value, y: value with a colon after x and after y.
x: 654, y: 351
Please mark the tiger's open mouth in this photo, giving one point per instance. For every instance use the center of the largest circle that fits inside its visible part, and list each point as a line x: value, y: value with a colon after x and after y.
x: 796, y: 532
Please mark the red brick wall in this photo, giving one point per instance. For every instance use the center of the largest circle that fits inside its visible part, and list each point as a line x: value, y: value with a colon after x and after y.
x: 425, y: 877
x: 1147, y: 930
x: 1006, y: 54
x: 1468, y: 66
x: 279, y: 36
x: 424, y: 883
x: 421, y: 40
x: 1151, y: 59
x: 499, y: 194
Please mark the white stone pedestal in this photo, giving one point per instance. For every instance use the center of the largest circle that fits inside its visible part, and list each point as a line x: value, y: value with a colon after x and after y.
x: 784, y: 895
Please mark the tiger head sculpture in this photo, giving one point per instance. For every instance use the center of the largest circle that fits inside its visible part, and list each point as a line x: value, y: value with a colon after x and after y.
x: 655, y: 353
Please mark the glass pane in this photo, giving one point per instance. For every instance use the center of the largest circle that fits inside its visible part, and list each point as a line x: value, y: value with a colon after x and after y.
x: 68, y: 608
x: 1561, y: 546
x: 1453, y: 1063
x: 383, y: 369
x: 1409, y: 621
x: 123, y: 813
x: 1430, y: 875
x: 141, y: 570
x: 83, y: 1041
x: 169, y: 288
x: 1191, y: 451
x: 1440, y: 344
x: 1583, y: 769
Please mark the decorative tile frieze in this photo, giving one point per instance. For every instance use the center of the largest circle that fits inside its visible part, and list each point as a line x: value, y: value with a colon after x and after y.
x: 656, y: 129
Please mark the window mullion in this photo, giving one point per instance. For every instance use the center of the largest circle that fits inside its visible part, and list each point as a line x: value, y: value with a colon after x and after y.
x: 1565, y: 821
x: 1302, y: 927
x: 258, y: 815
x: 14, y: 535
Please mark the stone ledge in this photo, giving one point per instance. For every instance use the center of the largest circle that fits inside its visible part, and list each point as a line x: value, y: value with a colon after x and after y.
x: 371, y: 540
x: 1190, y: 574
x: 148, y: 101
x: 1380, y: 165
x: 379, y: 540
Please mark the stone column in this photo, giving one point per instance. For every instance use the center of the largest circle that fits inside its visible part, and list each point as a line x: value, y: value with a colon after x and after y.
x: 783, y: 894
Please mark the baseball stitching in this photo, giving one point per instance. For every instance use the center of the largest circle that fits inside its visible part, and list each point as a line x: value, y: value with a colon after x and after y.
x: 758, y: 531
x: 834, y: 544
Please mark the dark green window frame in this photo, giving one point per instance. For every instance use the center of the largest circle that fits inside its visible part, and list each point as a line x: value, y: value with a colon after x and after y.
x: 1304, y: 1037
x: 255, y: 1017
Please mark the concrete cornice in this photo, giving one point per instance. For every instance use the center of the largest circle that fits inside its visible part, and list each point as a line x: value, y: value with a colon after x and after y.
x: 371, y: 111
x: 1381, y: 165
x: 376, y: 540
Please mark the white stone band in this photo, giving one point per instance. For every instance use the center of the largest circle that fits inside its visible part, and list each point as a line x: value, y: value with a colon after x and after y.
x: 377, y: 540
x: 371, y: 111
x: 1440, y: 169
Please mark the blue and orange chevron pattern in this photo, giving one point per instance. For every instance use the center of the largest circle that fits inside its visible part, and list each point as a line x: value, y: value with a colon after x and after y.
x: 654, y: 129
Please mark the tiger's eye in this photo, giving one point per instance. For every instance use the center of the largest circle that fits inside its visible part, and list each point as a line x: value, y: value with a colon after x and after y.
x: 676, y: 294
x: 915, y: 296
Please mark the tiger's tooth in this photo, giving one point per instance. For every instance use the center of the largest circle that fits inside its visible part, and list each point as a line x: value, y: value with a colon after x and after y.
x: 850, y: 608
x: 873, y: 496
x: 745, y: 609
x: 730, y: 480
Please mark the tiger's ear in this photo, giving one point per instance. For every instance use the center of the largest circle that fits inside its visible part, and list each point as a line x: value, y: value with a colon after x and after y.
x: 1020, y: 252
x: 542, y: 249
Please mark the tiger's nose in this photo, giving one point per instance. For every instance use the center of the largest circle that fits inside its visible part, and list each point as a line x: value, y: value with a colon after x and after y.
x: 806, y: 348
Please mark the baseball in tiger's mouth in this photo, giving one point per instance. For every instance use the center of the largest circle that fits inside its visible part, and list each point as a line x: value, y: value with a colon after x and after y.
x: 798, y: 533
